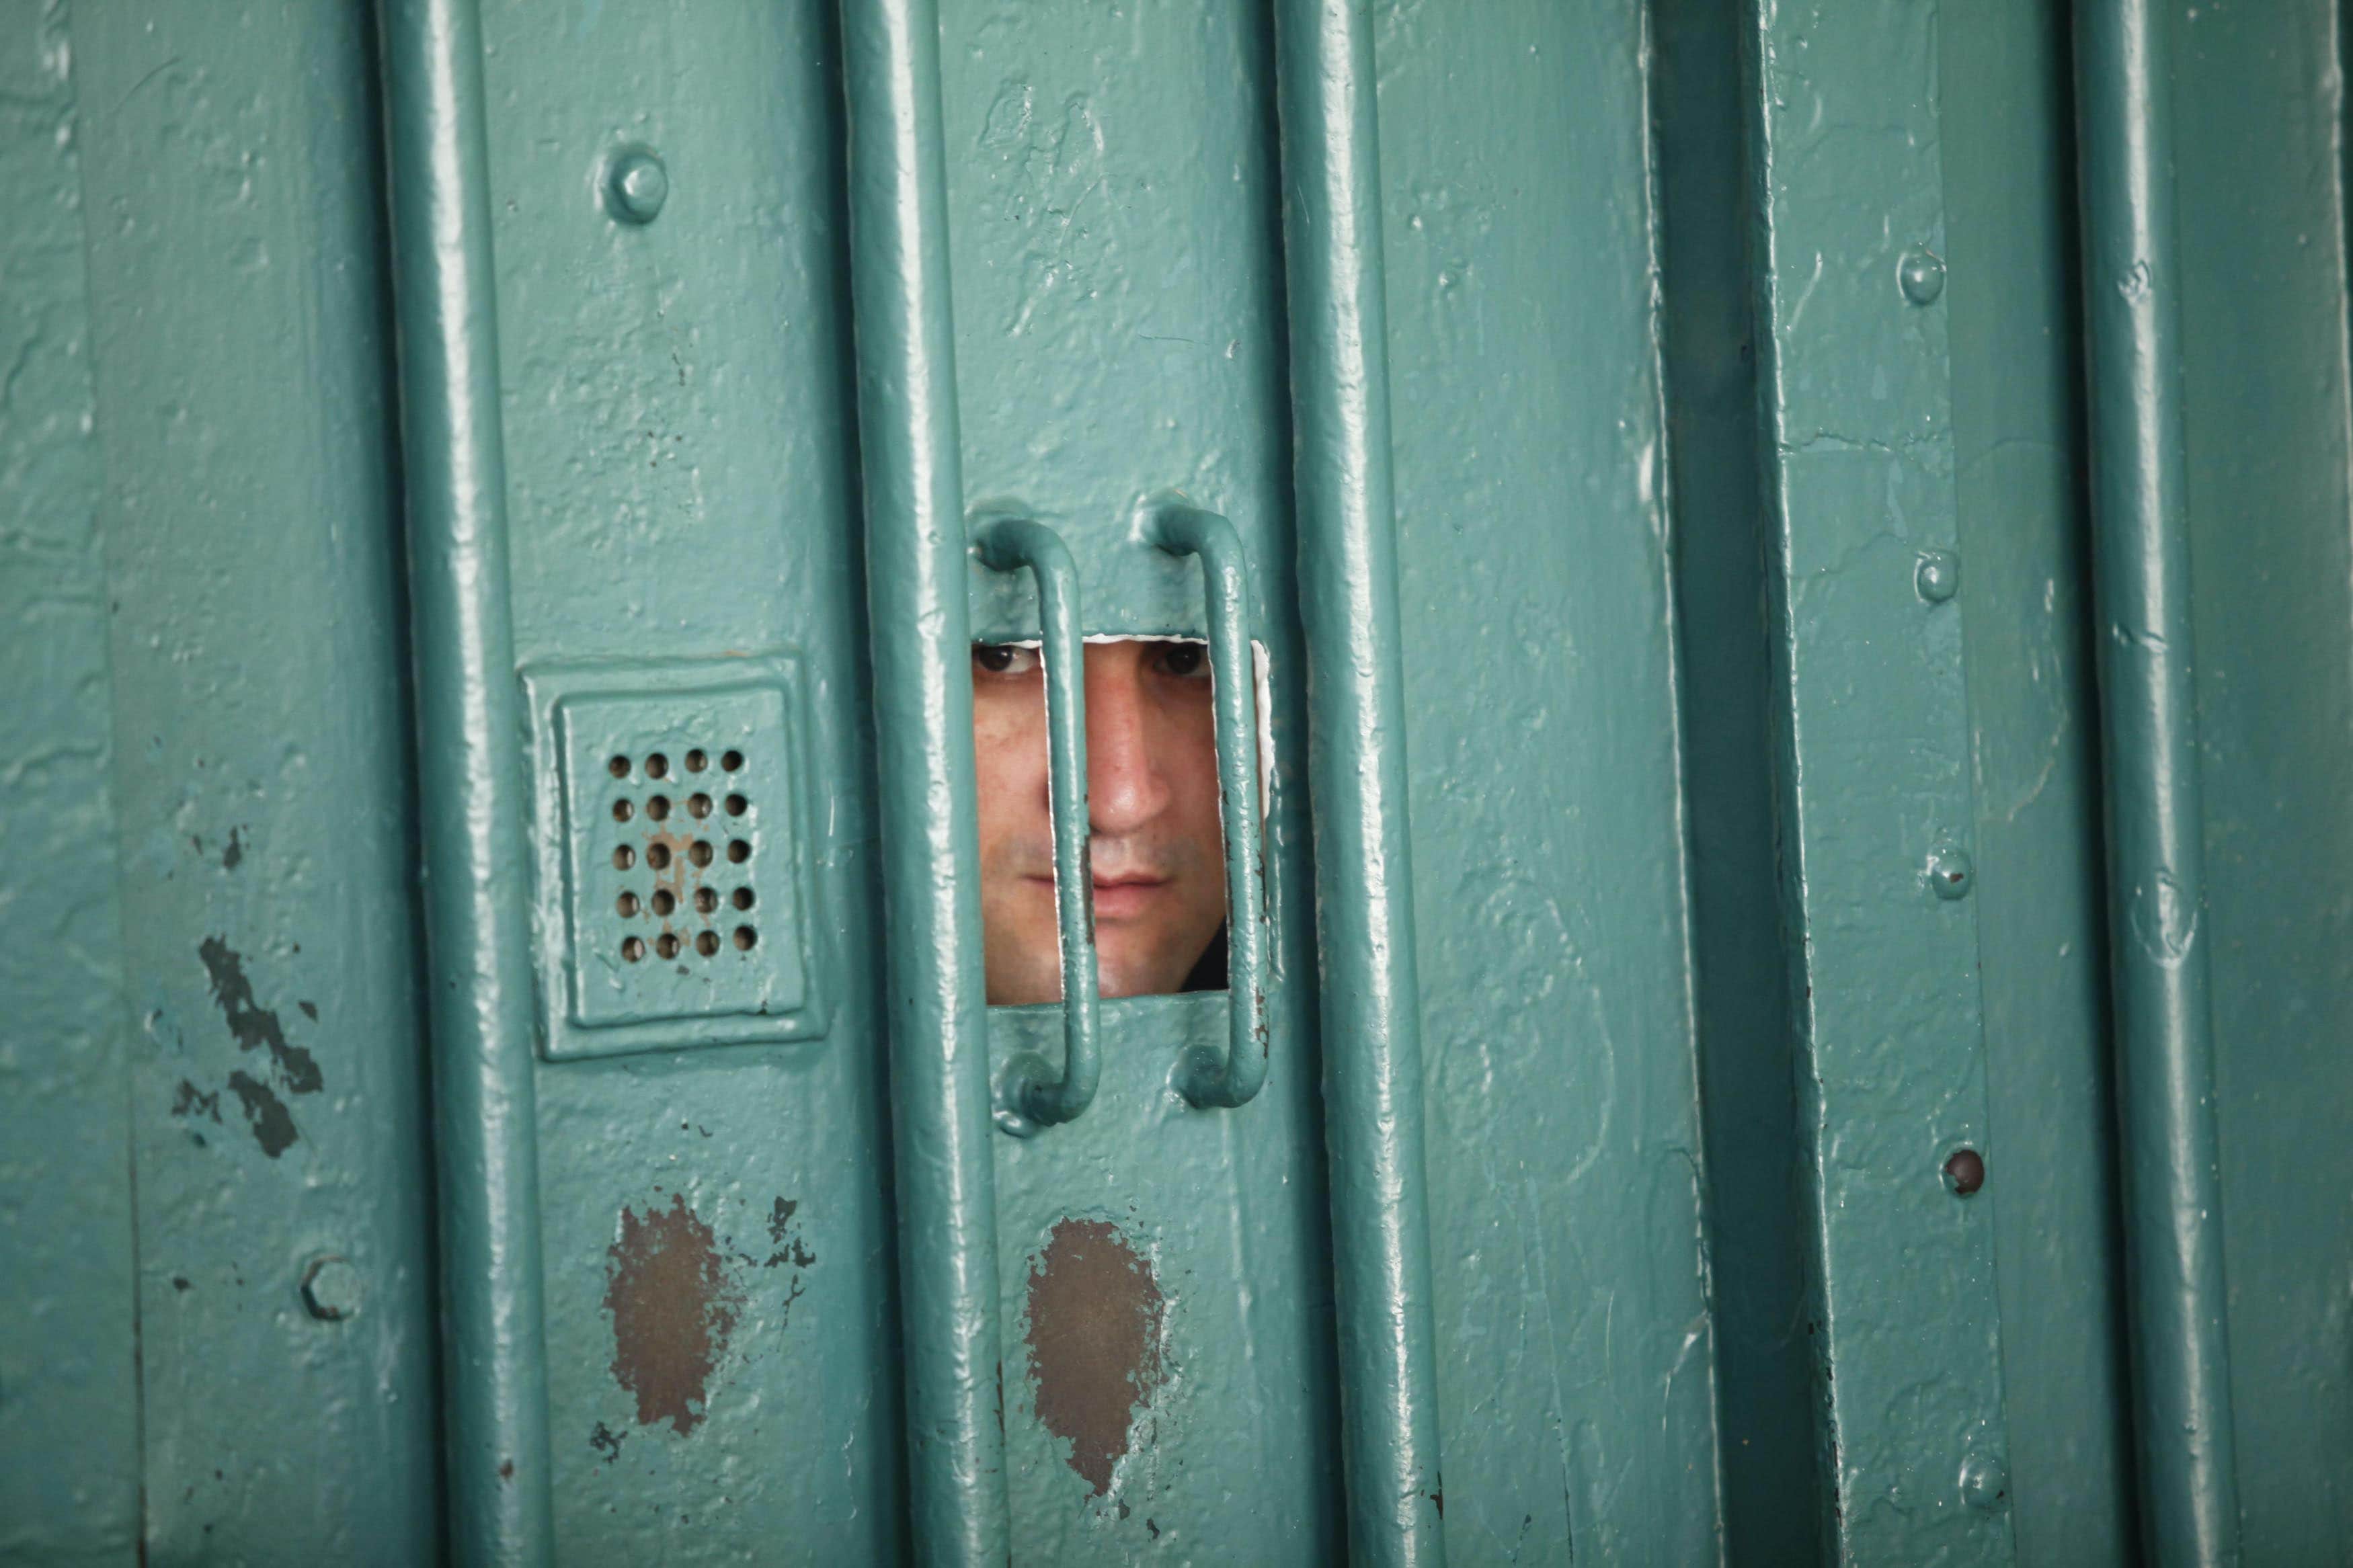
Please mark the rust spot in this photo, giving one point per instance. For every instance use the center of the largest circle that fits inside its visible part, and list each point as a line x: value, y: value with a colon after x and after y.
x: 673, y: 1308
x: 1095, y: 1315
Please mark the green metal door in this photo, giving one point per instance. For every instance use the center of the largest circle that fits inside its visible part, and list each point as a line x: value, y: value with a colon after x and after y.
x: 1785, y: 569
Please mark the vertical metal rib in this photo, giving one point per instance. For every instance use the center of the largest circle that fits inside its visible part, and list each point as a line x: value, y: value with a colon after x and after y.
x: 1348, y: 568
x: 2165, y: 1056
x: 923, y: 702
x: 476, y: 934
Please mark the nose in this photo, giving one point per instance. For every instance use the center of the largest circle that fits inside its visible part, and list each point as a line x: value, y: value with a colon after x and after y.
x: 1126, y: 789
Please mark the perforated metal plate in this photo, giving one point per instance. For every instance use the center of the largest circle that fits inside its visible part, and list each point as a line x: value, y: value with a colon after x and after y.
x: 675, y: 900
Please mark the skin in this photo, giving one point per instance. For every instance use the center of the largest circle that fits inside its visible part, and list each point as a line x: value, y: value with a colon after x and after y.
x: 1152, y: 809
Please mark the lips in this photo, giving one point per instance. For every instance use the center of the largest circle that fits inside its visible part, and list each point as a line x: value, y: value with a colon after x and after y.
x: 1118, y: 898
x: 1123, y: 897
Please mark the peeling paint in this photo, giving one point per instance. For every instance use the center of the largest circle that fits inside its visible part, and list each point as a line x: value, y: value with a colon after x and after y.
x: 1095, y: 1317
x: 187, y: 1100
x: 607, y: 1441
x: 789, y: 1246
x: 673, y: 1308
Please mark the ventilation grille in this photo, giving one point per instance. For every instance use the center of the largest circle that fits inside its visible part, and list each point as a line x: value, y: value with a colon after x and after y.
x: 680, y: 859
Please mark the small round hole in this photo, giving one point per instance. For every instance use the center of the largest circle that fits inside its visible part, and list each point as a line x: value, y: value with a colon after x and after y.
x: 658, y: 807
x: 698, y: 807
x: 732, y: 760
x: 744, y: 937
x: 633, y: 949
x: 737, y: 806
x: 624, y: 858
x: 707, y: 943
x: 665, y: 945
x: 628, y: 904
x: 738, y: 851
x: 623, y: 811
x: 657, y: 767
x: 658, y: 856
x: 699, y: 853
x: 743, y: 899
x: 664, y: 900
x: 618, y: 767
x: 1965, y: 1172
x: 706, y: 901
x: 697, y: 760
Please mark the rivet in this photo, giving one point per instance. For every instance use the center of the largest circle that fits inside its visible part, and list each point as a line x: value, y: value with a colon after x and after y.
x: 1922, y: 275
x: 1950, y: 873
x: 1985, y: 1483
x: 1965, y: 1172
x: 331, y: 1290
x: 636, y: 185
x: 1938, y: 577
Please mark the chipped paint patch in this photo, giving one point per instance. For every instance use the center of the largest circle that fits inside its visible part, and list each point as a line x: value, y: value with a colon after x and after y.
x: 253, y: 1025
x: 673, y: 1308
x: 607, y: 1441
x: 1095, y: 1317
x: 272, y: 1124
x: 789, y: 1246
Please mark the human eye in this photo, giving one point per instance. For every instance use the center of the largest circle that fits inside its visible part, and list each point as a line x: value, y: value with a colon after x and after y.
x: 1003, y: 658
x: 1184, y: 660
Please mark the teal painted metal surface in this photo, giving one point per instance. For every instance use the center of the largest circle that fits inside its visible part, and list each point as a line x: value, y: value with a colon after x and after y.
x: 1535, y: 521
x: 478, y: 938
x: 1120, y: 349
x: 938, y: 1026
x: 1028, y: 1094
x: 1371, y: 1012
x: 69, y: 1384
x: 1683, y: 649
x: 1771, y: 1486
x: 680, y: 498
x: 263, y: 821
x: 1878, y: 802
x: 2158, y: 942
x: 1234, y: 1078
x: 2260, y: 171
x: 2007, y: 118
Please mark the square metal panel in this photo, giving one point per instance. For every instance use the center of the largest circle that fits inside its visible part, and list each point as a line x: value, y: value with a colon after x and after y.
x: 675, y: 900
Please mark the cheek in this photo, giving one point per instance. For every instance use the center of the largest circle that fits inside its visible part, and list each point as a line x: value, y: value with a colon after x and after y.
x: 1009, y: 771
x: 1197, y: 787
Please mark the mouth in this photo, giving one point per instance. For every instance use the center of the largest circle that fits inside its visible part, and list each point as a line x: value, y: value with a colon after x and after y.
x: 1121, y: 897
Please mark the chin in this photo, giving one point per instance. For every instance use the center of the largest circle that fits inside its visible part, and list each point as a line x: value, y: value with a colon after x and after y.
x: 1117, y: 978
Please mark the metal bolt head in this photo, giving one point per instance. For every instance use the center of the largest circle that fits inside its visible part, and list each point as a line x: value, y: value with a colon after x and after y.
x: 1921, y: 275
x: 1985, y: 1483
x: 1965, y: 1172
x: 636, y: 185
x: 1938, y: 577
x: 1951, y: 874
x: 331, y: 1290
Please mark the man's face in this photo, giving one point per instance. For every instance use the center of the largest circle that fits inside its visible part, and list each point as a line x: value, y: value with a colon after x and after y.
x: 1152, y: 803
